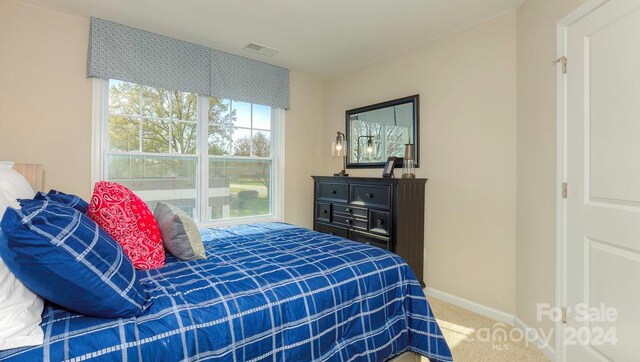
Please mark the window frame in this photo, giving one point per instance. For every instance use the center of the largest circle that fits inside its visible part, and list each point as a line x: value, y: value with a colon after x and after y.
x: 99, y: 154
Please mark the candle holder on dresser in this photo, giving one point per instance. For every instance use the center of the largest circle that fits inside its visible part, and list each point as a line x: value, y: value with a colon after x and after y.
x: 409, y: 164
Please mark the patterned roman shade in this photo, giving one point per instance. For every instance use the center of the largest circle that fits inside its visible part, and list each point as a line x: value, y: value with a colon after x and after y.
x: 121, y: 52
x: 243, y: 79
x: 124, y: 53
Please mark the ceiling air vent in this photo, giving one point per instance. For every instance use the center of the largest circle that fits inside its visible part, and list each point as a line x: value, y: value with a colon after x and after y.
x: 261, y: 49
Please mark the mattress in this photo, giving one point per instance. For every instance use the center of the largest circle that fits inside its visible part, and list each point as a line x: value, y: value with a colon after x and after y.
x: 267, y: 292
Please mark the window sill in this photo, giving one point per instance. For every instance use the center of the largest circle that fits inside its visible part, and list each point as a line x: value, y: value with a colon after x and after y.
x: 239, y: 221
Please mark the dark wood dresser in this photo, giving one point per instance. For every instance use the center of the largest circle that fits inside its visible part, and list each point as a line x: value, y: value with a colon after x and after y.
x: 385, y: 212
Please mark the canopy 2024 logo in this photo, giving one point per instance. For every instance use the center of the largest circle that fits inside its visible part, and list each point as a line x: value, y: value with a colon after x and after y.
x: 585, y: 325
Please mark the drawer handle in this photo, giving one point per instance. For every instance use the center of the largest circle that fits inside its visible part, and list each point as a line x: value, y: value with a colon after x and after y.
x: 379, y: 222
x: 370, y: 196
x: 333, y: 192
x: 348, y: 222
x: 324, y: 211
x: 348, y: 210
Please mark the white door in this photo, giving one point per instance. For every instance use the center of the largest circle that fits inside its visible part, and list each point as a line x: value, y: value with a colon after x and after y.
x: 603, y: 174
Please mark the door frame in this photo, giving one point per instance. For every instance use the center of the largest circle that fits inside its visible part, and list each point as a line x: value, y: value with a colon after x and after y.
x: 562, y: 29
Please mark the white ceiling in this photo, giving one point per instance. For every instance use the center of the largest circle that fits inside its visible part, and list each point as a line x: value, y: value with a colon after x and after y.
x: 322, y: 38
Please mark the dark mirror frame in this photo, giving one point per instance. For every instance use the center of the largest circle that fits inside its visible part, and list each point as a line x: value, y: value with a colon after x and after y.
x: 415, y: 100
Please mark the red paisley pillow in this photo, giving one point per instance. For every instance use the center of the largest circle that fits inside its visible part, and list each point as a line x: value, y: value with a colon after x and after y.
x: 129, y: 221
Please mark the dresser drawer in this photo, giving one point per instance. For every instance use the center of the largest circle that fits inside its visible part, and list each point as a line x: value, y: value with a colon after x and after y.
x: 332, y: 230
x: 380, y: 222
x: 369, y: 239
x: 323, y: 211
x: 336, y: 192
x: 350, y: 210
x: 371, y: 195
x: 349, y: 222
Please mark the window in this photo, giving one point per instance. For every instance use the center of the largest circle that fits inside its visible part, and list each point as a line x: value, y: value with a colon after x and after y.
x: 212, y: 158
x: 239, y: 152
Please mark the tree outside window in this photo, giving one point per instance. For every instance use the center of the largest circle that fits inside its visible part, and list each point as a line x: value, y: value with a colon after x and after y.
x: 153, y: 149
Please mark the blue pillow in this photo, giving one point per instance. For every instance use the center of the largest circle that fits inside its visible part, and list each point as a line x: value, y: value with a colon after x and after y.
x: 68, y: 199
x: 65, y: 257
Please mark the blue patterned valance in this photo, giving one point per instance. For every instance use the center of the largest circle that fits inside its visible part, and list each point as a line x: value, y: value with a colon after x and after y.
x: 243, y: 79
x: 120, y: 52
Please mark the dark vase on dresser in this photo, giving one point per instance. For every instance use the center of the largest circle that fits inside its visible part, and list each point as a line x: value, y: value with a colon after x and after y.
x: 384, y: 212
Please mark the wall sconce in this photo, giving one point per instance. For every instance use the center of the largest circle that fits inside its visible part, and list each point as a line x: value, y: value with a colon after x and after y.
x: 339, y: 149
x: 369, y: 145
x: 409, y: 164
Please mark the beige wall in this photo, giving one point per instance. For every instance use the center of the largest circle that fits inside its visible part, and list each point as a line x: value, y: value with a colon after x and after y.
x: 467, y: 87
x: 45, y: 106
x: 536, y: 211
x: 45, y: 98
x: 303, y: 158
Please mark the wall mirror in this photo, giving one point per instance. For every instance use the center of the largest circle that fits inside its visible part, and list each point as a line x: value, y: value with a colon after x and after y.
x: 380, y: 131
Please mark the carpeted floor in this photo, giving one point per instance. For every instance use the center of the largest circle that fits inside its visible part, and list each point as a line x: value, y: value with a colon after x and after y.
x: 473, y: 337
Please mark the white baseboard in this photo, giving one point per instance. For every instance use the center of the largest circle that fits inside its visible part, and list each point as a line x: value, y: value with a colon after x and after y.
x: 543, y: 346
x: 481, y: 309
x: 495, y: 314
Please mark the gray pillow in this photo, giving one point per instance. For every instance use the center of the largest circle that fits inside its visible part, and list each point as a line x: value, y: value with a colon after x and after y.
x: 180, y: 234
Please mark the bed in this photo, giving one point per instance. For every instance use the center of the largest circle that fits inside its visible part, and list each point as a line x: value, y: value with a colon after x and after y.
x: 268, y: 291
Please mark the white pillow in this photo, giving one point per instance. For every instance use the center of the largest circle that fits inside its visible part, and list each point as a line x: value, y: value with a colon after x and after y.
x: 13, y: 184
x: 20, y: 308
x: 20, y: 313
x: 6, y: 202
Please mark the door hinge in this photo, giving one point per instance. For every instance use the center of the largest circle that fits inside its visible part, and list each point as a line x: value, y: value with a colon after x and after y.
x: 562, y: 60
x: 564, y: 315
x: 565, y: 190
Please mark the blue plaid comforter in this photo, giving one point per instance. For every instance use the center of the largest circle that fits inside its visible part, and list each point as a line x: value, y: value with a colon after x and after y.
x: 268, y: 292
